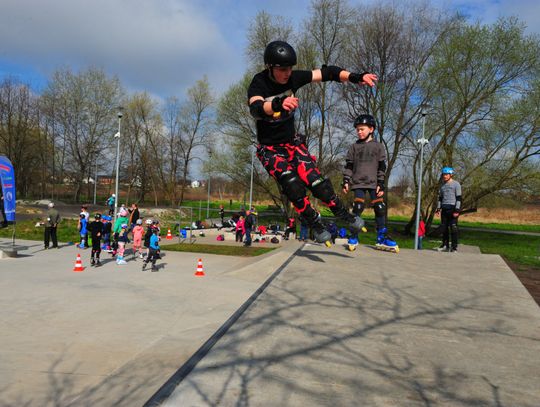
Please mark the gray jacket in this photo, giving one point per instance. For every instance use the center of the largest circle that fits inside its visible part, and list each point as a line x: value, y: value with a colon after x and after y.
x: 365, y: 165
x: 53, y: 217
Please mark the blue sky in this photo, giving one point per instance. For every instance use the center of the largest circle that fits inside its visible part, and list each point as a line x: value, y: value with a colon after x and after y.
x: 163, y: 46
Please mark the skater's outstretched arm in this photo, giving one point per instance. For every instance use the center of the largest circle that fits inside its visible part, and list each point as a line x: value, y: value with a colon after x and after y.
x: 337, y: 74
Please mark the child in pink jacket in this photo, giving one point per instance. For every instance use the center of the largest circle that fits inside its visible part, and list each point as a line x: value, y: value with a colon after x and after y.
x: 138, y: 232
x: 240, y: 229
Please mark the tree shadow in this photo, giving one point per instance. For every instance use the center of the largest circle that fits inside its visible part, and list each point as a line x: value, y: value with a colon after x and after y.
x: 340, y: 345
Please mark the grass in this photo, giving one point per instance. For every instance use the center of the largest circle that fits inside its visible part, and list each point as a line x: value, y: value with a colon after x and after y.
x: 524, y: 250
x: 215, y: 249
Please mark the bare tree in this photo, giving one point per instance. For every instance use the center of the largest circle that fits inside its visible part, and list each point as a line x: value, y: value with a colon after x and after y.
x: 195, y: 125
x: 83, y: 107
x: 20, y: 138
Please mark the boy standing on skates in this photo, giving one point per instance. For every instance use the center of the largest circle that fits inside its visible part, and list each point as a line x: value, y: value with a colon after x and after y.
x: 283, y: 152
x: 449, y: 206
x: 96, y: 231
x: 364, y: 174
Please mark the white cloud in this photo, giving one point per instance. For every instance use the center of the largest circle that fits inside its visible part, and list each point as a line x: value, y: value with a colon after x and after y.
x: 161, y: 46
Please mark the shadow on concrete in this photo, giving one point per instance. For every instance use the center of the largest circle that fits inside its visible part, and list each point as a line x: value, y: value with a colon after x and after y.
x: 296, y: 346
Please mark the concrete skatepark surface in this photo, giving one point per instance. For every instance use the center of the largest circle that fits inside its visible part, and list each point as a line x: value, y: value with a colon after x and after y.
x: 333, y: 328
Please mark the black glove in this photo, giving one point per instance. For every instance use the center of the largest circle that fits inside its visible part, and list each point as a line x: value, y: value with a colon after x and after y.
x: 357, y: 77
x: 277, y: 104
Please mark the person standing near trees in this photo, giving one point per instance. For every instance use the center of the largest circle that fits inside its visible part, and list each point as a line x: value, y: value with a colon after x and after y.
x: 134, y: 216
x: 364, y: 174
x: 51, y: 224
x: 110, y: 201
x: 449, y: 206
x: 249, y: 224
x: 281, y: 150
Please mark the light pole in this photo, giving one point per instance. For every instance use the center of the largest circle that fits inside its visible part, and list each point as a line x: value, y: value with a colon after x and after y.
x: 209, y: 177
x: 95, y: 181
x: 251, y: 181
x: 422, y: 141
x: 117, y: 135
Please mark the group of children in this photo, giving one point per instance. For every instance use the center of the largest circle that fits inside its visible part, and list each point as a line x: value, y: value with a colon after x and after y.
x: 114, y: 239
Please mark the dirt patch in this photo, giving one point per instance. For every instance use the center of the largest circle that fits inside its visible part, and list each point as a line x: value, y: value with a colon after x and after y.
x: 529, y: 277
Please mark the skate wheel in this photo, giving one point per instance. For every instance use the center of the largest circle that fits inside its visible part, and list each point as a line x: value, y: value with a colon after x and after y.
x: 397, y: 250
x: 328, y: 243
x: 364, y: 229
x: 352, y: 247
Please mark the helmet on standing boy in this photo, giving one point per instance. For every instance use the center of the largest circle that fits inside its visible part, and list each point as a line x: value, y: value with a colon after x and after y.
x: 447, y: 170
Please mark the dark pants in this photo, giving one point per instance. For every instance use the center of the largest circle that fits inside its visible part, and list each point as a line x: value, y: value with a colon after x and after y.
x: 239, y: 235
x: 248, y: 237
x: 50, y: 234
x: 449, y: 227
x: 96, y: 246
x: 152, y: 257
x: 359, y: 196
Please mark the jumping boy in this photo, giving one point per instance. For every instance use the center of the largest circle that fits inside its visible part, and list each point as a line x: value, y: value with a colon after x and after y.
x: 449, y: 206
x: 364, y: 174
x: 283, y: 152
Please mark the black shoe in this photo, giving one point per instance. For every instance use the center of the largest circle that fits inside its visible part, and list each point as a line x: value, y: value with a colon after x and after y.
x: 92, y: 262
x: 45, y: 248
x: 98, y: 263
x: 453, y: 250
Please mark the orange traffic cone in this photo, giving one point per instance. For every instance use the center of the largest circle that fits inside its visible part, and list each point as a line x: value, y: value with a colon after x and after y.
x: 199, y: 271
x: 169, y: 235
x: 78, y: 265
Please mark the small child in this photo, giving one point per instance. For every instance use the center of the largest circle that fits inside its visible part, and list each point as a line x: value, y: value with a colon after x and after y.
x: 138, y: 232
x: 83, y: 230
x: 122, y: 240
x: 148, y: 235
x: 421, y: 233
x: 107, y: 228
x: 96, y: 231
x: 240, y: 229
x: 153, y: 250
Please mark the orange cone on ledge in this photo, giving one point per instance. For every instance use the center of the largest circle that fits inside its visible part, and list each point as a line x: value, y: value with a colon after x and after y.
x: 78, y: 265
x: 200, y: 271
x: 169, y: 235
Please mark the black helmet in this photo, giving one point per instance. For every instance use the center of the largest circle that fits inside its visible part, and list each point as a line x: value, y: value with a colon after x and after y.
x: 365, y: 119
x: 279, y: 53
x: 97, y: 216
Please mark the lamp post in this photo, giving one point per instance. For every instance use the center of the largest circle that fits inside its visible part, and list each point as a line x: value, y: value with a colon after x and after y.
x: 117, y: 136
x: 251, y: 181
x: 95, y: 182
x: 422, y: 141
x: 209, y: 178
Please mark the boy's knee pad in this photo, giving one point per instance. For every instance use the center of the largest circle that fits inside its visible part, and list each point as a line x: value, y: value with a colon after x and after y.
x: 379, y: 207
x: 453, y: 228
x: 322, y: 189
x: 292, y: 186
x: 358, y: 206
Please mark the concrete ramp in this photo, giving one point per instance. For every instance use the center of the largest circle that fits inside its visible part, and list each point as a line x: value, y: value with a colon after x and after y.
x: 371, y: 328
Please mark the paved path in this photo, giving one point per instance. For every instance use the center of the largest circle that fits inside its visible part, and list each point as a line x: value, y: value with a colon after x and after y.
x: 376, y: 329
x: 332, y: 329
x: 109, y: 336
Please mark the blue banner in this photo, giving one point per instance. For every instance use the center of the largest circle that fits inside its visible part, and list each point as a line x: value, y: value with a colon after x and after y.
x: 7, y: 180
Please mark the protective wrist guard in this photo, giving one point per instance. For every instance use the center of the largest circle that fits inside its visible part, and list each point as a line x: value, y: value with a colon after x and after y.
x: 330, y: 73
x: 277, y: 104
x: 257, y: 109
x: 357, y: 77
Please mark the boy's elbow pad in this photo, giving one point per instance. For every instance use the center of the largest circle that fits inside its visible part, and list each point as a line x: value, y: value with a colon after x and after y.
x: 330, y: 73
x: 256, y: 109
